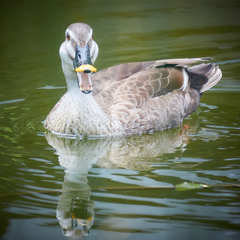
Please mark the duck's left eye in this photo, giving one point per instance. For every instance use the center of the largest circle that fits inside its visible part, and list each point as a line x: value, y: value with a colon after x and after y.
x: 68, y: 36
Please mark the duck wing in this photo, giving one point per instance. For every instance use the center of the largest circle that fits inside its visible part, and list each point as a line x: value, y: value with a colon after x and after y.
x: 159, y: 95
x: 139, y: 81
x: 103, y: 78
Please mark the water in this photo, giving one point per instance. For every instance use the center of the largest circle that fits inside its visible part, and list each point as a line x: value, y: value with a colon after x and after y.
x: 121, y: 189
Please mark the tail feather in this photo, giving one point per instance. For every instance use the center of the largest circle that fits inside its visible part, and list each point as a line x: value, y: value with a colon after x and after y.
x: 204, y: 76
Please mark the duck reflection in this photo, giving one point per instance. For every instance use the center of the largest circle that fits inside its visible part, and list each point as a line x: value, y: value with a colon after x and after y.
x: 75, y: 210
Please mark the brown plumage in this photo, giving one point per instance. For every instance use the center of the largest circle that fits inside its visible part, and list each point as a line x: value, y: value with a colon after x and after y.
x: 131, y: 98
x: 150, y: 96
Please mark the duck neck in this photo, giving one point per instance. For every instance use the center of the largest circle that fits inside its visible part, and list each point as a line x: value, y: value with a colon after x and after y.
x: 86, y: 115
x: 82, y: 113
x: 70, y: 76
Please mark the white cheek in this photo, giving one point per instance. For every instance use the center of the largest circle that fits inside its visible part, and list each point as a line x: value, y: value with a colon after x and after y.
x: 94, y: 51
x: 70, y: 49
x: 66, y: 52
x: 64, y: 55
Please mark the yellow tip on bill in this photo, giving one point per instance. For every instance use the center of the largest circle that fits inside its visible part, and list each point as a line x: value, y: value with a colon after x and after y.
x: 86, y: 68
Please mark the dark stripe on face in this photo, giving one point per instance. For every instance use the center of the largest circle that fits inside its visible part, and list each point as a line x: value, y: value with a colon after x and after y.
x: 82, y: 56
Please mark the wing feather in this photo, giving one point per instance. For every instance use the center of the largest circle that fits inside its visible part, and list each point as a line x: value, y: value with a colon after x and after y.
x: 149, y: 95
x: 105, y: 77
x: 132, y: 93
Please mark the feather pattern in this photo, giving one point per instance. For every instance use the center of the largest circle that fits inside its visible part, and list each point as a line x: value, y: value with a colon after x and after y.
x: 131, y: 98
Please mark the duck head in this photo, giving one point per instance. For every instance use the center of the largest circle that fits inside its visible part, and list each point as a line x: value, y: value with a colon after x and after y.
x: 78, y: 53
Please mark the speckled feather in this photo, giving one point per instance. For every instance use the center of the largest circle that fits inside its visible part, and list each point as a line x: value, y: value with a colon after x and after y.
x: 135, y: 98
x: 144, y: 97
x: 126, y: 99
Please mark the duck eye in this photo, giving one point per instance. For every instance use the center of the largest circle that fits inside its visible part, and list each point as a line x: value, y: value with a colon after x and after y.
x: 68, y: 36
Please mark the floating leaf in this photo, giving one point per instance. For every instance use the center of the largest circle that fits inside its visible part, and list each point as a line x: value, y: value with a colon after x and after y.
x: 189, y: 186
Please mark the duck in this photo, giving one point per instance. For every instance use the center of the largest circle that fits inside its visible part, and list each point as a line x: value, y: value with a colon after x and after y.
x: 125, y: 99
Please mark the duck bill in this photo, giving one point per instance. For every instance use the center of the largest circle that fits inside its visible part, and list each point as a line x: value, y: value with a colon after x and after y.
x: 83, y: 66
x: 82, y: 61
x: 86, y: 68
x: 85, y: 82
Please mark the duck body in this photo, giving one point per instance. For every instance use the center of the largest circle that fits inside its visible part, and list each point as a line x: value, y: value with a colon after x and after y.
x: 127, y: 99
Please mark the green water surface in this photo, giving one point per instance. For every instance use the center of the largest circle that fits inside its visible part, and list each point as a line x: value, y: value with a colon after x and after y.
x: 56, y: 188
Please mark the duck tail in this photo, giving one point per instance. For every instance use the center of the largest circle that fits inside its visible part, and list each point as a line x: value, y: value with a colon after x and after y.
x: 204, y: 76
